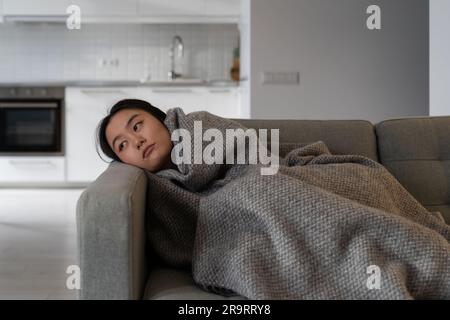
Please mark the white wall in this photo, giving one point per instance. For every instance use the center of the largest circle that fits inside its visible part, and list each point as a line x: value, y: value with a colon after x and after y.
x: 245, y: 50
x: 346, y: 70
x: 51, y: 52
x: 439, y: 57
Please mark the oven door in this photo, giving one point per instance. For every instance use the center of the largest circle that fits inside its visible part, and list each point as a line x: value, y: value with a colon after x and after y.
x: 30, y: 127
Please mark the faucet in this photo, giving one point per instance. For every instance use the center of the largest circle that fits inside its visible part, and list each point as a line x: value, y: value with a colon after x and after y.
x: 176, y: 39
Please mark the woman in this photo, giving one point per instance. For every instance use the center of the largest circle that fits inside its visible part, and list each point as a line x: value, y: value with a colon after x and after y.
x: 134, y: 133
x: 313, y: 230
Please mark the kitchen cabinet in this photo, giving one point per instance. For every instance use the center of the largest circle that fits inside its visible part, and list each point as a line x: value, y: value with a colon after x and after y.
x: 223, y: 8
x: 108, y: 8
x: 91, y: 10
x: 42, y: 7
x: 125, y: 11
x: 221, y: 101
x: 58, y: 7
x: 188, y: 98
x: 32, y: 169
x: 176, y: 8
x: 224, y: 102
x: 193, y: 11
x: 85, y: 107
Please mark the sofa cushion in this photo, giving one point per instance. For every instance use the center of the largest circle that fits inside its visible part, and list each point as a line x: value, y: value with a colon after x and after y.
x: 340, y: 136
x: 417, y: 152
x: 176, y: 284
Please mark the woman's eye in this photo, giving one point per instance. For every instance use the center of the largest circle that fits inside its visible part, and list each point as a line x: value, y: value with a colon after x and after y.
x: 137, y: 126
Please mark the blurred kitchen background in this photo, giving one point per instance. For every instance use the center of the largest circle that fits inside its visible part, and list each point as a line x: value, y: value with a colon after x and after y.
x: 265, y: 59
x: 57, y: 82
x: 49, y: 52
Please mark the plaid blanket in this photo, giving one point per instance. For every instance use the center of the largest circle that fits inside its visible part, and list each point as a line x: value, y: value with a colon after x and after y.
x: 323, y: 227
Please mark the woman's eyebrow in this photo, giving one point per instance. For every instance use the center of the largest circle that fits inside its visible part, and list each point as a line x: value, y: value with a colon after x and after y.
x: 128, y: 124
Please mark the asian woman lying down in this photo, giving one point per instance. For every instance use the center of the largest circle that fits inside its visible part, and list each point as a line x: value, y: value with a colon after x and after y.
x: 322, y: 226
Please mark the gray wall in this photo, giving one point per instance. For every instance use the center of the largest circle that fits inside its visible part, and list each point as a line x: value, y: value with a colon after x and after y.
x: 346, y: 70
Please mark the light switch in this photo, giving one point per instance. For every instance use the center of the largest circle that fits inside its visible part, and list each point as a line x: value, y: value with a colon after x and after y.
x: 291, y: 78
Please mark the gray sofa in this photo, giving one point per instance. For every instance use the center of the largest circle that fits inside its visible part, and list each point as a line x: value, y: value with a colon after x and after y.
x: 116, y: 264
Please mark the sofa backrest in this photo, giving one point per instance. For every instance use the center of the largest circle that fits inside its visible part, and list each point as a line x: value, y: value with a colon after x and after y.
x: 417, y: 152
x: 340, y: 136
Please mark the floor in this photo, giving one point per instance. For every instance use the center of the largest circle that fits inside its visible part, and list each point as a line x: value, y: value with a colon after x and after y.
x: 37, y: 242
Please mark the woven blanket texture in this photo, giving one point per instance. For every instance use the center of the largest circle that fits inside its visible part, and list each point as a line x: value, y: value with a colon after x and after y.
x: 313, y: 230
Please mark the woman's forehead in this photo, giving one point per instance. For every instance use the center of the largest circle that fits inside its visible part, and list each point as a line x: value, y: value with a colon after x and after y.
x: 123, y: 114
x: 122, y: 118
x: 119, y: 121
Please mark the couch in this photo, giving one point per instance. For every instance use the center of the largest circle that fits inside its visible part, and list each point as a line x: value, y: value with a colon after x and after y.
x: 116, y: 263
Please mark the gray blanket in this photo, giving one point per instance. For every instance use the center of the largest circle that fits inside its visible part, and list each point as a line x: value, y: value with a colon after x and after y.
x: 324, y: 227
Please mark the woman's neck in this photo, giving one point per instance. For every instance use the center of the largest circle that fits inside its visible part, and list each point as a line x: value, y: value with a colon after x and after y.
x: 169, y: 165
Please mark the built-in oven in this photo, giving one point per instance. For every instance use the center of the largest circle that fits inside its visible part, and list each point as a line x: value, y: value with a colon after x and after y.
x: 31, y: 121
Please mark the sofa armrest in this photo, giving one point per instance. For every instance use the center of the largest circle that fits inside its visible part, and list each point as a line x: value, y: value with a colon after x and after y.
x: 111, y: 234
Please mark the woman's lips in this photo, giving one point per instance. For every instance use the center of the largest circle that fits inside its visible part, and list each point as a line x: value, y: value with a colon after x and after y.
x: 148, y: 150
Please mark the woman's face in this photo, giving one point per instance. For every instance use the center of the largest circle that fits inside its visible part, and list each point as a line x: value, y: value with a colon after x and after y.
x: 139, y: 139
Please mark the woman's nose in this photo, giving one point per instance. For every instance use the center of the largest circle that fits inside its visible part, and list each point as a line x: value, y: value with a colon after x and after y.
x: 139, y: 143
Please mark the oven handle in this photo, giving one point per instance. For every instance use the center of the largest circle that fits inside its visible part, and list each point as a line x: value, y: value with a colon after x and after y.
x: 28, y: 105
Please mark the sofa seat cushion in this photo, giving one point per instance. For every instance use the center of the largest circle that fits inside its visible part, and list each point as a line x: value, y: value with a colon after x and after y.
x: 173, y: 284
x: 417, y: 152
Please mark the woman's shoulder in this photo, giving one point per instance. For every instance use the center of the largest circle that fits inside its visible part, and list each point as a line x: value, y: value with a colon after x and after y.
x: 194, y: 115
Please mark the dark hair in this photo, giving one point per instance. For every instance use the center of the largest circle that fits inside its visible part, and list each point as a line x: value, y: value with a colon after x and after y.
x: 123, y: 104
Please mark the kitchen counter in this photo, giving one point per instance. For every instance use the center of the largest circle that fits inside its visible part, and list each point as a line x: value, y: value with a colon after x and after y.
x: 125, y: 83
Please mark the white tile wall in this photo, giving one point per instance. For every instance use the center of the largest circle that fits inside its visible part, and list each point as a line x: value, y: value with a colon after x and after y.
x: 51, y: 52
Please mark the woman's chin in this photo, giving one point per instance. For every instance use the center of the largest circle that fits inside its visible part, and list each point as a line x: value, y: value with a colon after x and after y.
x: 154, y: 167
